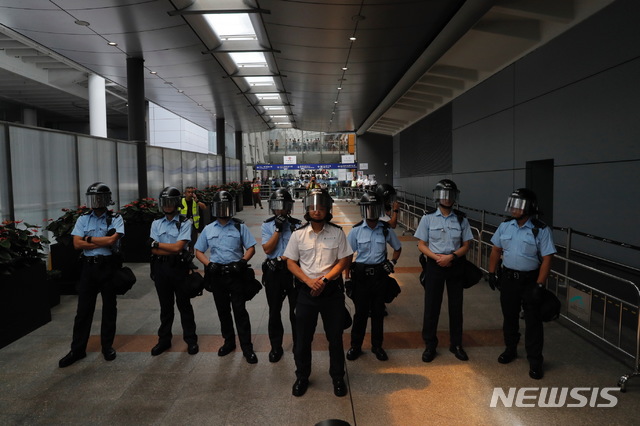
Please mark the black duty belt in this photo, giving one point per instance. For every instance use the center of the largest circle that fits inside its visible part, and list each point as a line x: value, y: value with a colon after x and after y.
x: 512, y: 274
x: 162, y: 259
x: 367, y: 270
x: 95, y: 259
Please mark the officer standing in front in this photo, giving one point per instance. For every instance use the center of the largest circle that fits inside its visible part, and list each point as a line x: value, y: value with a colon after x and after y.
x: 317, y: 254
x: 278, y: 281
x: 231, y: 247
x: 370, y: 273
x: 169, y: 268
x: 444, y: 237
x: 387, y: 193
x: 526, y: 247
x: 95, y: 233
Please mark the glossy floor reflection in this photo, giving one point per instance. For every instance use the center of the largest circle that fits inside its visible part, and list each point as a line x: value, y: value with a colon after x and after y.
x: 204, y: 389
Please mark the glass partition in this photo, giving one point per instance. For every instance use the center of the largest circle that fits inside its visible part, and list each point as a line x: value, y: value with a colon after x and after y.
x: 172, y: 161
x: 155, y: 171
x: 5, y: 209
x: 127, y: 171
x: 189, y: 169
x: 97, y: 162
x: 202, y: 171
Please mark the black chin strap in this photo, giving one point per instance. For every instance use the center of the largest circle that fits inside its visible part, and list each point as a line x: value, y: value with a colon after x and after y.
x: 317, y: 220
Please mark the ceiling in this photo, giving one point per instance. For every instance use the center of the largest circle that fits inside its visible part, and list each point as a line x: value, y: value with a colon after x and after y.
x: 408, y: 58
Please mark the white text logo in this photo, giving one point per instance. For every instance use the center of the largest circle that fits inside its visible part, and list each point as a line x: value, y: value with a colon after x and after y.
x: 555, y: 397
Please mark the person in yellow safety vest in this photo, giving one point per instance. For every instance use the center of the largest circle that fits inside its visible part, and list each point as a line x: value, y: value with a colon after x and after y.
x: 189, y: 207
x: 313, y: 184
x: 255, y: 191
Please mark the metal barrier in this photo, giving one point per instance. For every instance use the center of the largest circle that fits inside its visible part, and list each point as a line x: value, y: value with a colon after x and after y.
x: 610, y: 319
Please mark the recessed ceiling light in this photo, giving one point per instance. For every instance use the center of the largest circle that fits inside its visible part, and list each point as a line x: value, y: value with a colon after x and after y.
x: 335, y: 102
x: 180, y: 91
x: 344, y: 68
x: 352, y: 38
x: 81, y: 23
x: 112, y: 43
x: 339, y: 88
x: 153, y: 72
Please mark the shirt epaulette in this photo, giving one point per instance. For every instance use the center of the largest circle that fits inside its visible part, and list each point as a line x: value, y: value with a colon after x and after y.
x: 429, y: 210
x: 459, y: 213
x: 294, y: 221
x: 303, y: 226
x: 333, y: 224
x: 239, y: 221
x: 538, y: 223
x: 358, y: 224
x: 271, y: 219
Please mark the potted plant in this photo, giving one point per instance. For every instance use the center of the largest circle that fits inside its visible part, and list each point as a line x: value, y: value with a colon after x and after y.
x: 138, y: 216
x: 247, y: 194
x: 64, y: 257
x: 24, y: 295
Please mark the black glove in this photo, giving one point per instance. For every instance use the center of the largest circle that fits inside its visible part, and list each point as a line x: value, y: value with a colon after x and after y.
x: 387, y: 265
x: 239, y: 266
x: 111, y: 231
x: 153, y: 243
x: 271, y: 264
x: 536, y: 294
x: 492, y: 278
x: 211, y: 268
x: 279, y: 221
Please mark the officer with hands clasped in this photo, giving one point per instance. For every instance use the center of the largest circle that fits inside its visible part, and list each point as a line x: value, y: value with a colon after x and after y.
x: 526, y: 247
x: 317, y: 254
x: 231, y: 247
x: 170, y: 260
x: 278, y: 281
x: 444, y: 237
x: 95, y: 233
x: 370, y: 273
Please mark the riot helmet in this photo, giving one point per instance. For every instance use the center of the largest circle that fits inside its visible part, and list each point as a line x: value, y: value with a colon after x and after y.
x: 98, y: 196
x: 281, y: 199
x: 522, y: 199
x: 371, y: 206
x: 315, y: 199
x: 223, y: 205
x: 446, y: 189
x: 169, y: 197
x: 386, y: 194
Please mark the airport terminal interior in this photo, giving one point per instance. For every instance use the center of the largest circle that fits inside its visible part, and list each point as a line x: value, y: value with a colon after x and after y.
x: 493, y: 94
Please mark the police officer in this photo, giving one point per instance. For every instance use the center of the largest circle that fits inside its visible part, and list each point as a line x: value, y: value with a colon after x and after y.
x: 387, y: 193
x: 369, y: 273
x: 95, y: 233
x: 526, y: 247
x: 317, y: 254
x: 278, y: 281
x: 444, y: 237
x: 169, y: 267
x: 231, y: 246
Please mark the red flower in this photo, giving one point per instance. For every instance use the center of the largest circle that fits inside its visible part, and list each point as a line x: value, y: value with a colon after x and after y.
x: 35, y: 240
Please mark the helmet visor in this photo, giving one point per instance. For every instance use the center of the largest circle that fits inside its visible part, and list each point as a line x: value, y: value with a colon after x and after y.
x: 281, y: 205
x: 517, y: 203
x: 98, y: 201
x: 445, y: 194
x: 169, y: 202
x: 223, y: 209
x: 316, y: 201
x: 371, y: 211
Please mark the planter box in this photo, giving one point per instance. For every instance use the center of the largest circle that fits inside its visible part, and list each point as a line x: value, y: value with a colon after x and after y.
x: 135, y: 244
x: 239, y: 204
x: 24, y: 302
x: 66, y: 259
x: 247, y: 197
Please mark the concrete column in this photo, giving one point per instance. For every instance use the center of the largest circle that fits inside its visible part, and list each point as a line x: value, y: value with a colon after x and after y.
x: 222, y: 150
x: 97, y: 106
x: 239, y: 155
x: 137, y: 118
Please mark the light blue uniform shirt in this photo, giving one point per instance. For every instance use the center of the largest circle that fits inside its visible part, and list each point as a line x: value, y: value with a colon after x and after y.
x: 520, y: 248
x: 269, y: 228
x: 371, y: 244
x: 90, y: 225
x: 225, y: 242
x: 166, y: 231
x: 444, y: 235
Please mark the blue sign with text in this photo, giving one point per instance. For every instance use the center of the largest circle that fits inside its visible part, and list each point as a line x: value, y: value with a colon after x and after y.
x: 305, y: 166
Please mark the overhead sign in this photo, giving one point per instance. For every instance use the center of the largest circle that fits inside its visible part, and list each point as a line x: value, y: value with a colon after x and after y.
x: 289, y: 159
x: 305, y: 166
x: 347, y: 159
x: 364, y: 166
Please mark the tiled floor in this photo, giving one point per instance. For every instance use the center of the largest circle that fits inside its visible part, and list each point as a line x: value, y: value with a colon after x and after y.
x: 176, y: 388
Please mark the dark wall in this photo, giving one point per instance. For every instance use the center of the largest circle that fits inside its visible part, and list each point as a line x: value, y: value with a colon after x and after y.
x: 377, y: 151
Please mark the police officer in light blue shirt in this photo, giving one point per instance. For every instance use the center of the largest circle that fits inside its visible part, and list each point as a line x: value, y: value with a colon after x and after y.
x: 169, y: 239
x: 444, y: 237
x: 231, y: 246
x: 526, y: 247
x: 370, y: 274
x: 278, y: 281
x: 95, y: 234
